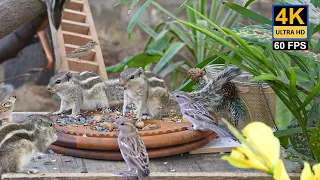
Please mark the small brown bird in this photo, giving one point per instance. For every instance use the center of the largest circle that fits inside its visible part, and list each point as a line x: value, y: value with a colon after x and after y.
x: 82, y: 50
x: 6, y: 108
x: 132, y: 149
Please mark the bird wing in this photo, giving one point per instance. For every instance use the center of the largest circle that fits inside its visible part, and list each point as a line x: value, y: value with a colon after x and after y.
x: 202, y: 120
x: 136, y: 154
x: 195, y: 110
x: 81, y: 49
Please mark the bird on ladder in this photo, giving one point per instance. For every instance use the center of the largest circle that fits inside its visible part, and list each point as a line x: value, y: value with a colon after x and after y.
x: 55, y: 8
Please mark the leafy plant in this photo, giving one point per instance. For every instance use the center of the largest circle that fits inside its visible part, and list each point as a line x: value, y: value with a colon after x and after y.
x: 273, y: 67
x: 169, y: 39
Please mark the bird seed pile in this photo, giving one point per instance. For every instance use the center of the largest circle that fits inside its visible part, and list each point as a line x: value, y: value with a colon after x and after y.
x: 101, y: 120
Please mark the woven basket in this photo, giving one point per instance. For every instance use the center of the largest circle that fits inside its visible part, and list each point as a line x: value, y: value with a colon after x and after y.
x: 259, y: 100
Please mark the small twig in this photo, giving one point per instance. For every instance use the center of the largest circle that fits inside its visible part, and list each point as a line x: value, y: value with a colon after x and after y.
x: 15, y: 77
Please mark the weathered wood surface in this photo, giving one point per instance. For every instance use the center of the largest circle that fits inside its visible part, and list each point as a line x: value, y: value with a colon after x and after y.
x: 153, y: 176
x: 205, y: 166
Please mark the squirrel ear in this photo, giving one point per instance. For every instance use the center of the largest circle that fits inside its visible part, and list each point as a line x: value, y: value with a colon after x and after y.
x: 140, y: 70
x: 126, y: 67
x: 69, y: 75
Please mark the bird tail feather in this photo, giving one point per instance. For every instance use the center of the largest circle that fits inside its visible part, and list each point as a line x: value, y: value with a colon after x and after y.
x: 220, y: 132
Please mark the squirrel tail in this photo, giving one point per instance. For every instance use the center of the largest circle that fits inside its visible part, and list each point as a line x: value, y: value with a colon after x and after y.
x: 227, y: 75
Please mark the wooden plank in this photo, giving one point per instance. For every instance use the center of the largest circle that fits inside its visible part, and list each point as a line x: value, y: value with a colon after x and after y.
x: 153, y: 176
x: 73, y: 26
x: 76, y: 38
x: 217, y: 145
x: 82, y: 65
x: 75, y: 5
x: 93, y: 32
x: 90, y: 57
x: 73, y: 15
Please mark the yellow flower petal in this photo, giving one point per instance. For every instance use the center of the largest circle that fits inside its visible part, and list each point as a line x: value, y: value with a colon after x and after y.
x: 306, y: 173
x: 280, y: 172
x: 261, y: 137
x: 238, y: 158
x: 316, y: 169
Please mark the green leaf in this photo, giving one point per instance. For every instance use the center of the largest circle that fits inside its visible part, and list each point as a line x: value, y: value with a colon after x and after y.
x: 147, y: 29
x: 288, y: 132
x: 265, y: 77
x: 248, y: 13
x: 173, y: 49
x: 316, y: 29
x: 310, y: 97
x: 315, y: 143
x: 136, y: 17
x: 293, y: 82
x: 284, y: 141
x: 187, y: 2
x: 160, y: 44
x: 283, y: 114
x: 133, y: 4
x: 120, y: 2
x: 139, y: 60
x: 170, y: 68
x: 200, y: 40
x: 248, y: 3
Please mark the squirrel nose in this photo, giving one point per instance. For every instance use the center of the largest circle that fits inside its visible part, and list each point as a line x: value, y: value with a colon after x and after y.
x: 48, y: 87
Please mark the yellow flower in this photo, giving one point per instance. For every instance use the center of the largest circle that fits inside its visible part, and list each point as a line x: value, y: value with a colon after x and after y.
x: 280, y: 172
x: 307, y: 174
x: 259, y: 150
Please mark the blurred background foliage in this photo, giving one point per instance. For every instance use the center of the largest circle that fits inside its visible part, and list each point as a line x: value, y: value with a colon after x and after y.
x: 207, y: 36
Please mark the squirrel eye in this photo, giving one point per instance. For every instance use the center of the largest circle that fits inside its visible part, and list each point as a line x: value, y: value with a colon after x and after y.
x: 50, y: 124
x: 58, y: 81
x: 132, y: 77
x: 122, y: 124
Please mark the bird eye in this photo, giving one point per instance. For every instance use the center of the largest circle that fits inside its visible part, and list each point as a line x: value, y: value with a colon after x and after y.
x: 58, y: 81
x: 132, y: 77
x: 177, y: 96
x: 122, y: 124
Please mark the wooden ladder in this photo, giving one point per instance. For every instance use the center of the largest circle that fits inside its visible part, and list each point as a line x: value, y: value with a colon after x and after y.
x: 77, y: 28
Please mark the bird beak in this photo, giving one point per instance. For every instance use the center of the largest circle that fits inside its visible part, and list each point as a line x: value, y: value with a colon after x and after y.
x: 172, y: 96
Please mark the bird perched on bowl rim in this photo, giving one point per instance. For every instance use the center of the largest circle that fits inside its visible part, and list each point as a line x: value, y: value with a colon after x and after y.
x: 82, y: 51
x: 197, y: 115
x: 7, y: 107
x: 132, y: 149
x: 55, y: 8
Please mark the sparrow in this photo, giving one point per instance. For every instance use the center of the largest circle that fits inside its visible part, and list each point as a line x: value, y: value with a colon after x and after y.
x: 132, y: 149
x: 6, y: 108
x: 55, y: 8
x: 82, y: 50
x: 197, y: 115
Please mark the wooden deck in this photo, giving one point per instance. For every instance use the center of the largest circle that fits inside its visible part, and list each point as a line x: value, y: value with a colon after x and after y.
x: 203, y: 166
x: 184, y: 166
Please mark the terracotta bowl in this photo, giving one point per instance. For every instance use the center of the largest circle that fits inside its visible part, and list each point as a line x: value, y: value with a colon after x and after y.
x: 171, y: 138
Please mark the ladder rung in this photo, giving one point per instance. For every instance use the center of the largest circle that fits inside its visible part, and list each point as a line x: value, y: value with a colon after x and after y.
x: 90, y: 57
x: 75, y: 5
x: 73, y: 26
x: 76, y: 38
x: 73, y: 15
x: 82, y: 65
